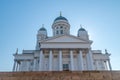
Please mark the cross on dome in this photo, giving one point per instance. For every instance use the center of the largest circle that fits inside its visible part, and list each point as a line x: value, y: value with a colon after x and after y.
x: 60, y: 13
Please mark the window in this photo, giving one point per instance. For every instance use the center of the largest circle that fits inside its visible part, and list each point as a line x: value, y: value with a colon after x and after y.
x: 31, y: 63
x: 56, y: 27
x: 61, y: 31
x: 61, y: 26
x: 55, y: 56
x: 46, y: 56
x: 39, y: 45
x: 56, y: 32
x: 65, y: 67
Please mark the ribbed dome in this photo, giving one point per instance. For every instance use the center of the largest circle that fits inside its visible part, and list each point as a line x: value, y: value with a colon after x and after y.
x: 42, y: 29
x: 81, y: 29
x: 60, y: 18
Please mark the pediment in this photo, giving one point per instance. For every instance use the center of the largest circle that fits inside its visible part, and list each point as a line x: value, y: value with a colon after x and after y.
x: 66, y: 38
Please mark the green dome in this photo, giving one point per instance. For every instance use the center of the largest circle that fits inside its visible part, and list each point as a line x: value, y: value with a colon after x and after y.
x: 60, y: 18
x: 42, y: 29
x: 81, y: 29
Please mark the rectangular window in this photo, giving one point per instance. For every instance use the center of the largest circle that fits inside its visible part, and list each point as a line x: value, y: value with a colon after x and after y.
x: 46, y: 56
x: 55, y: 56
x: 57, y: 32
x: 61, y: 26
x: 61, y: 31
x: 65, y: 66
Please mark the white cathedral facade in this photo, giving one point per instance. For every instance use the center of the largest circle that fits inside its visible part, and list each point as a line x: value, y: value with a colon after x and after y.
x: 62, y: 51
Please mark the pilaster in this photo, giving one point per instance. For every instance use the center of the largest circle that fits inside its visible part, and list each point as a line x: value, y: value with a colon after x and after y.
x: 40, y: 60
x: 80, y: 61
x: 71, y: 60
x: 90, y: 60
x: 109, y: 64
x: 60, y: 60
x: 34, y: 64
x: 50, y: 60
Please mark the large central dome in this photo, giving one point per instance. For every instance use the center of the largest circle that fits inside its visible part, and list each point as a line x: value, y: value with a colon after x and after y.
x: 60, y: 26
x: 60, y: 18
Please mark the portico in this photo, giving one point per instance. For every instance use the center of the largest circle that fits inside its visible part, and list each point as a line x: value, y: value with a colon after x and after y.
x: 66, y: 59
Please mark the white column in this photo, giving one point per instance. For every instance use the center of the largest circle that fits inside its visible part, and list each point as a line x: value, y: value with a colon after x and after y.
x: 105, y: 64
x: 71, y: 60
x: 60, y: 60
x: 27, y: 65
x: 50, y: 60
x: 90, y: 60
x: 97, y: 66
x: 17, y: 67
x: 109, y: 64
x: 40, y: 60
x: 14, y: 66
x: 81, y: 67
x: 34, y: 64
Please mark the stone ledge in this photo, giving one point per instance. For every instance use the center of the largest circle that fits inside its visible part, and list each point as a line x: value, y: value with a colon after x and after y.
x: 61, y: 75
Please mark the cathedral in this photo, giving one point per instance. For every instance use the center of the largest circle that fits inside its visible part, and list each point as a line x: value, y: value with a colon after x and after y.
x: 62, y: 52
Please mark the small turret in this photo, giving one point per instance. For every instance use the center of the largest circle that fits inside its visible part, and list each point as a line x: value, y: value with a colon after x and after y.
x: 82, y: 33
x: 42, y: 33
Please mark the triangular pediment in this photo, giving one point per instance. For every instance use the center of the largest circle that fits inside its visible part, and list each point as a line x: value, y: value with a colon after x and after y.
x: 65, y: 38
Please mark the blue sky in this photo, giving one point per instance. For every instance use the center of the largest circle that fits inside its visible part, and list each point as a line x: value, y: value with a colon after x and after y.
x: 21, y: 19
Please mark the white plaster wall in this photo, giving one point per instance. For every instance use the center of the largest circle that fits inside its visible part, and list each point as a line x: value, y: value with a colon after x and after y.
x: 99, y: 65
x: 64, y: 45
x: 25, y: 66
x: 55, y: 64
x: 85, y: 62
x: 76, y: 64
x: 67, y: 39
x: 46, y: 64
x: 37, y: 64
x: 100, y: 56
x: 24, y: 56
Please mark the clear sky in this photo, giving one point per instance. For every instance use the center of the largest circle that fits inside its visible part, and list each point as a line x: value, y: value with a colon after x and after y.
x: 21, y: 19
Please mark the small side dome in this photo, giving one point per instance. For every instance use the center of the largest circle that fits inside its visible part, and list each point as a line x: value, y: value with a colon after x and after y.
x: 82, y: 33
x: 42, y: 29
x: 81, y: 29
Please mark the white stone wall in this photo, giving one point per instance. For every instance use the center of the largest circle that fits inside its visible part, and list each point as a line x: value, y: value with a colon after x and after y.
x: 76, y: 64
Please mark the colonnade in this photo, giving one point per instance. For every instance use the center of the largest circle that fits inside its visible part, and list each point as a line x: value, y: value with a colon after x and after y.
x: 38, y: 66
x: 80, y: 58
